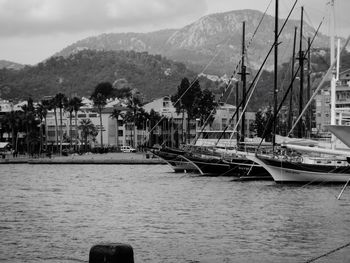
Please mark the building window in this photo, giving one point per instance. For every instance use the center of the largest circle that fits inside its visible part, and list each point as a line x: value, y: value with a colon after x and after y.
x: 93, y: 115
x: 120, y: 133
x: 51, y: 133
x: 81, y: 115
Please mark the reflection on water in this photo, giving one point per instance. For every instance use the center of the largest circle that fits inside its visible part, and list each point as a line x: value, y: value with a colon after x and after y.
x: 56, y: 213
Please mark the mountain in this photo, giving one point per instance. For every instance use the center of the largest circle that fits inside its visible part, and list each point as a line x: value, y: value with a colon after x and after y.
x: 79, y: 73
x: 10, y: 65
x: 212, y: 42
x: 153, y: 75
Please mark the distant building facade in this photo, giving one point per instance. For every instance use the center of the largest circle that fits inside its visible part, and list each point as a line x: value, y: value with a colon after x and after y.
x: 323, y: 104
x: 175, y: 127
x: 113, y: 134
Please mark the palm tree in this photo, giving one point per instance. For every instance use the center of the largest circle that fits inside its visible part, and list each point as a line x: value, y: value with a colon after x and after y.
x: 100, y: 102
x: 46, y: 104
x: 77, y: 104
x: 153, y: 118
x: 87, y: 129
x: 61, y: 101
x: 115, y: 115
x: 187, y: 98
x: 68, y: 108
x: 12, y: 121
x: 41, y: 112
x: 52, y: 105
x: 28, y: 110
x: 131, y: 116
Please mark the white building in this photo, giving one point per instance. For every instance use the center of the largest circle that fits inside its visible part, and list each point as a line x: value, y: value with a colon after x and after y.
x: 110, y: 135
x: 222, y: 118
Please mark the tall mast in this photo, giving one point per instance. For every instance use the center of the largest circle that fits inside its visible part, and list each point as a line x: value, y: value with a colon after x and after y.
x: 301, y: 63
x: 275, y: 90
x: 333, y: 80
x: 290, y: 116
x: 332, y: 58
x: 244, y: 86
x: 237, y: 109
x: 309, y: 115
x: 338, y: 59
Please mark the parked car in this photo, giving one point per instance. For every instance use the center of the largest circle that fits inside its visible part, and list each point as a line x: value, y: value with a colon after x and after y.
x: 127, y: 149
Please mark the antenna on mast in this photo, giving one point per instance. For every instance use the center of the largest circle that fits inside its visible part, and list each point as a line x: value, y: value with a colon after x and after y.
x: 333, y: 80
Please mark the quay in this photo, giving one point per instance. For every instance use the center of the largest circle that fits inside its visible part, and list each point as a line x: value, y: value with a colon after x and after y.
x: 105, y: 158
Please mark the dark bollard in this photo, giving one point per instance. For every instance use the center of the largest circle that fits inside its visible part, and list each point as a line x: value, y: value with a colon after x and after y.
x: 111, y: 253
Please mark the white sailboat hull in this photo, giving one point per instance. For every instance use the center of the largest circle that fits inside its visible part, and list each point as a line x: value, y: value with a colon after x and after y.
x: 282, y: 174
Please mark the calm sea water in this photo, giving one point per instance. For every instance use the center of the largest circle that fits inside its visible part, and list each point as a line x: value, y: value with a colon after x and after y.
x: 55, y: 213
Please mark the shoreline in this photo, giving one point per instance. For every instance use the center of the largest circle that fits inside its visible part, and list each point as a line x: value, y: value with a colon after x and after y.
x: 105, y: 158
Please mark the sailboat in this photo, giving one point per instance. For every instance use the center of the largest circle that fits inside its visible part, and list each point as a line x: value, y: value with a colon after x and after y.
x: 214, y: 162
x: 236, y: 163
x: 293, y: 164
x: 176, y: 160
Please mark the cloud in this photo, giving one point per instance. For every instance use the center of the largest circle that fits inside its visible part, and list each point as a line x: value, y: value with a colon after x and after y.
x: 37, y: 17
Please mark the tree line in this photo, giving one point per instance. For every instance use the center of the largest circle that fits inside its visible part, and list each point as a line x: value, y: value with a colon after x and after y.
x: 31, y: 120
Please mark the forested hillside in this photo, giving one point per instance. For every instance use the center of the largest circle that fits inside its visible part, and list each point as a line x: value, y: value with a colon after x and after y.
x: 152, y: 75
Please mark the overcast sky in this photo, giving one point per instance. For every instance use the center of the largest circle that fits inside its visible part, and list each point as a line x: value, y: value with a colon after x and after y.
x: 33, y: 30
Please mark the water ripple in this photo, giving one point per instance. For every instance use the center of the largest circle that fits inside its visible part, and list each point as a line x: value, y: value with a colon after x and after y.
x: 56, y: 213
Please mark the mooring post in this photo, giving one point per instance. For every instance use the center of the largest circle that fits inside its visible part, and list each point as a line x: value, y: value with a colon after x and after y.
x: 111, y: 253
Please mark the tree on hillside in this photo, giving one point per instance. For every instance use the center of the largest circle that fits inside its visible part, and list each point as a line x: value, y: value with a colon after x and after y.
x: 104, y: 88
x: 122, y: 93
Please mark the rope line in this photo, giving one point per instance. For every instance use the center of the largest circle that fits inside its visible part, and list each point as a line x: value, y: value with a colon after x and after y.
x: 260, y: 69
x: 328, y: 253
x: 234, y: 74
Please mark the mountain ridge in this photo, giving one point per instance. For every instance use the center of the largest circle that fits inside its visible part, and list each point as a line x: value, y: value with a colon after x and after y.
x: 215, y: 36
x: 10, y: 65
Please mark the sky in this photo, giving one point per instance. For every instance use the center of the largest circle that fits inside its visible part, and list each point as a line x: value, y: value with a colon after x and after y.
x: 33, y: 30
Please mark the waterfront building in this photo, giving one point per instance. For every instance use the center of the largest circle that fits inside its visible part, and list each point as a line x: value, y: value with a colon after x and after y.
x: 7, y: 106
x: 175, y: 125
x: 172, y: 130
x: 323, y: 114
x: 111, y: 136
x: 343, y: 99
